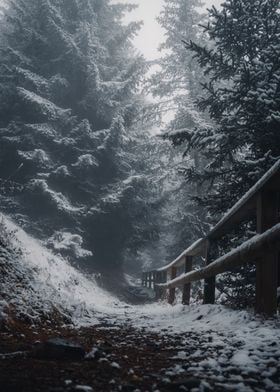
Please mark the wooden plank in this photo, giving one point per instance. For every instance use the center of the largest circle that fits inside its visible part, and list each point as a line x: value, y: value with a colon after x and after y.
x: 267, y: 267
x: 249, y: 251
x: 171, y: 295
x: 210, y: 283
x: 187, y: 287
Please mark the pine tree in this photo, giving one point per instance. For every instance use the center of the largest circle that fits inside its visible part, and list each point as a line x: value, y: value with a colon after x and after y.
x: 162, y: 215
x: 242, y: 97
x: 177, y: 82
x: 69, y: 80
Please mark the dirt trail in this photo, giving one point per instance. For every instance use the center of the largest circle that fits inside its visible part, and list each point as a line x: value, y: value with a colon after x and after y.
x: 125, y: 359
x: 121, y: 358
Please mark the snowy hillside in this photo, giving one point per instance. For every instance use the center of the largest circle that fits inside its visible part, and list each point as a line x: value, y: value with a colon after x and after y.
x: 36, y: 281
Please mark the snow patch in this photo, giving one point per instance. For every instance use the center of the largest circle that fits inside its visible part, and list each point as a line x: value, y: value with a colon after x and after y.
x: 62, y: 171
x: 241, y: 359
x: 65, y: 241
x: 43, y: 105
x: 61, y: 202
x: 38, y: 155
x: 86, y: 160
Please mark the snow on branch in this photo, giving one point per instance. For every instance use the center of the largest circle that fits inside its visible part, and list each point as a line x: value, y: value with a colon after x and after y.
x: 44, y: 106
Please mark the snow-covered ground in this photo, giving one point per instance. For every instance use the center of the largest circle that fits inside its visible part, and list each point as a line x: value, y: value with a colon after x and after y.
x: 221, y: 345
x: 216, y: 343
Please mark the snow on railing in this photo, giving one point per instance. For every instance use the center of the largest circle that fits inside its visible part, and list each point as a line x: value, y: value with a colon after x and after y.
x: 249, y: 251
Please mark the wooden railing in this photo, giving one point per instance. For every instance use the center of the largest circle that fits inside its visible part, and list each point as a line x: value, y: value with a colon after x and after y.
x: 261, y: 201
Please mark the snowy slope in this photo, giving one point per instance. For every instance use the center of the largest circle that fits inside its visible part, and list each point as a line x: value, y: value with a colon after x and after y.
x: 50, y: 281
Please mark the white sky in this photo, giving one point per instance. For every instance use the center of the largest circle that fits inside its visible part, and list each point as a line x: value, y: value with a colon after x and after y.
x: 151, y: 34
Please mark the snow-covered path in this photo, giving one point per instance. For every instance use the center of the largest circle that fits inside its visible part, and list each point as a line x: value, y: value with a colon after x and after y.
x: 215, y: 344
x: 225, y: 348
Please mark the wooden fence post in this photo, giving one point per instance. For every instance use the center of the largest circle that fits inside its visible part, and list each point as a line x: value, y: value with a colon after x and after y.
x: 149, y: 280
x: 145, y: 279
x: 157, y: 280
x: 187, y: 287
x: 278, y: 284
x: 171, y: 295
x: 154, y: 279
x: 210, y: 283
x: 267, y: 267
x: 162, y: 279
x: 155, y: 283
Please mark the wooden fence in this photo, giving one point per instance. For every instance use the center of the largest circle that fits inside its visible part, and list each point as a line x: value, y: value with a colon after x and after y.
x: 262, y: 201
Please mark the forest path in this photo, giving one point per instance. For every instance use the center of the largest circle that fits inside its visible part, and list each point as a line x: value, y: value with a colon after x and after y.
x: 121, y: 357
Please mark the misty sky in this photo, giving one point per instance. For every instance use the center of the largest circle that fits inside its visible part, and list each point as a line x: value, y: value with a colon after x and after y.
x: 151, y: 34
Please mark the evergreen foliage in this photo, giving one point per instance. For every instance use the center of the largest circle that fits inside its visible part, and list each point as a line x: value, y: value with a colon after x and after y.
x: 242, y: 97
x: 176, y: 85
x: 166, y: 222
x: 69, y: 81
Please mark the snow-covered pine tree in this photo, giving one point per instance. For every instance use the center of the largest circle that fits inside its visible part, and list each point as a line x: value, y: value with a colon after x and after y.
x: 243, y: 99
x: 176, y: 85
x: 156, y: 200
x: 69, y: 78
